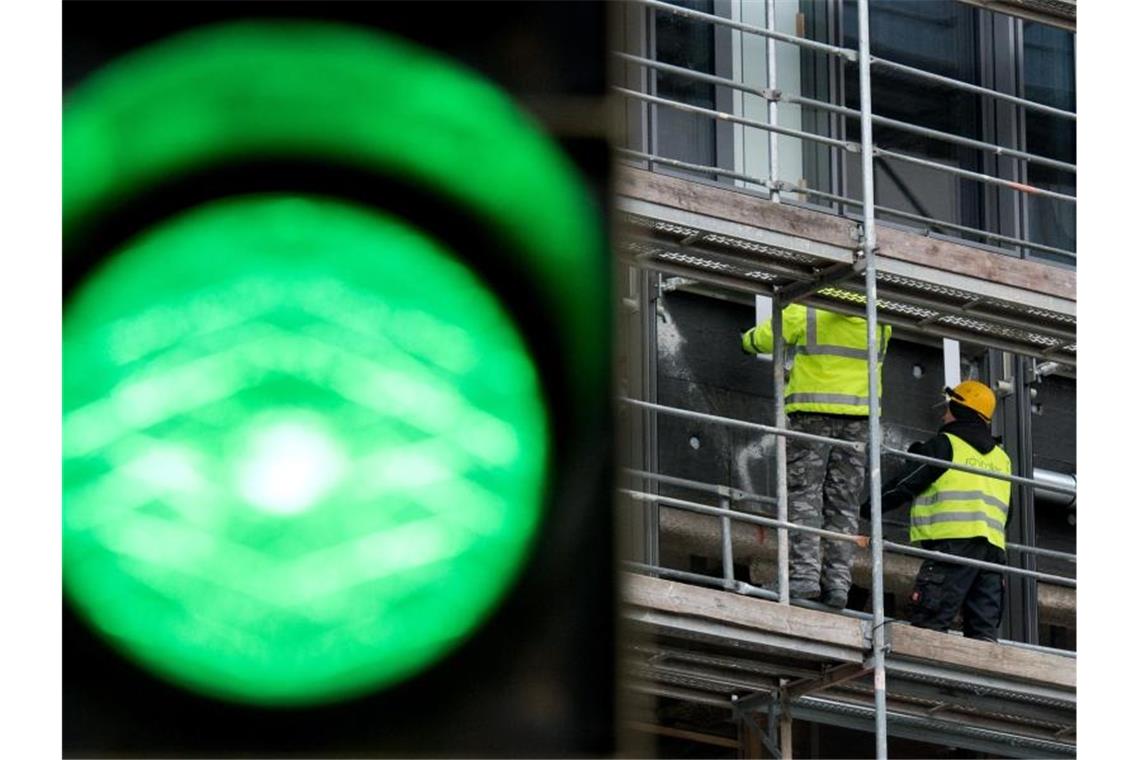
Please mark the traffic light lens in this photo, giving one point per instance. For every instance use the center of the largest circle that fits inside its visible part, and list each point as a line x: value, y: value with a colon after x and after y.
x: 305, y: 449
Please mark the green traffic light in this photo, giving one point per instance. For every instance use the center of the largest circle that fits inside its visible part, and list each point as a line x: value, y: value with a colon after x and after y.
x: 304, y: 449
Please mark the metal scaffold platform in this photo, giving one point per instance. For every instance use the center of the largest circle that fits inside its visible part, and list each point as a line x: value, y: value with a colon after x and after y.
x: 754, y: 660
x: 1029, y: 309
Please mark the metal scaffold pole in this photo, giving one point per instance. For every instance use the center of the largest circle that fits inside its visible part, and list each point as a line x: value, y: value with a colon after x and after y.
x: 873, y: 458
x: 781, y: 448
x: 773, y: 152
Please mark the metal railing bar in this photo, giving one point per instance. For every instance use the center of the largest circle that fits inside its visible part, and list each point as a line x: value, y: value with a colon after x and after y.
x: 853, y: 56
x: 747, y: 517
x: 691, y: 167
x: 978, y: 176
x: 733, y: 493
x: 783, y: 97
x: 1043, y: 485
x: 847, y: 146
x: 976, y: 89
x: 744, y: 496
x: 853, y: 445
x: 858, y: 539
x: 1059, y: 580
x: 822, y: 47
x: 904, y: 126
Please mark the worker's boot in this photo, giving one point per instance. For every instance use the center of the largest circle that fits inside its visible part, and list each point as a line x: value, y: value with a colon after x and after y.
x: 835, y: 598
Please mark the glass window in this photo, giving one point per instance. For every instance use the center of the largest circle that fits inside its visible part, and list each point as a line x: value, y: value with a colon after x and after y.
x: 1049, y: 76
x: 689, y: 43
x: 940, y: 37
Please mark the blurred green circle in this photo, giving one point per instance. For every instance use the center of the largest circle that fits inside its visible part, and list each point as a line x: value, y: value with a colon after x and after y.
x: 305, y: 449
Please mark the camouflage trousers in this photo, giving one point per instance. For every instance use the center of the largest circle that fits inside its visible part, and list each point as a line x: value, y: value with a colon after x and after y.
x: 825, y: 486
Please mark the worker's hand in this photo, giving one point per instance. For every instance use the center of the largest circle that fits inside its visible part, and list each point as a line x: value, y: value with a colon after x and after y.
x: 746, y: 342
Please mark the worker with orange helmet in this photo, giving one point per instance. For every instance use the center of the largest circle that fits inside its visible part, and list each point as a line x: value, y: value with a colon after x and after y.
x: 960, y: 513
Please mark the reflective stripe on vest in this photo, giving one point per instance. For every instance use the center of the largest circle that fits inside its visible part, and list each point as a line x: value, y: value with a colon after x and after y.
x: 964, y: 504
x: 825, y: 377
x: 814, y: 348
x: 826, y: 398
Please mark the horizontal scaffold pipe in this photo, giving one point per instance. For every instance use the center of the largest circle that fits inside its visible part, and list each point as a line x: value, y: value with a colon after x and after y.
x: 748, y: 517
x: 853, y: 445
x: 823, y: 47
x: 847, y: 146
x: 976, y: 89
x: 1044, y: 485
x: 783, y: 97
x: 1059, y: 580
x: 740, y: 587
x: 854, y: 538
x: 978, y: 176
x: 744, y: 496
x: 732, y: 493
x: 691, y: 167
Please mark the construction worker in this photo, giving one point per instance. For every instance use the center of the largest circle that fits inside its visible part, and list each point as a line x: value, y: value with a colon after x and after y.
x: 960, y: 513
x: 827, y: 394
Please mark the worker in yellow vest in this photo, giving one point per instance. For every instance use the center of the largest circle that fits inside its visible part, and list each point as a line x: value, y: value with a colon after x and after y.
x: 960, y: 513
x: 827, y: 394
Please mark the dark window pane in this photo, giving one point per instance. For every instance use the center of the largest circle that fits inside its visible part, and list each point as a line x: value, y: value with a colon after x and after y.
x: 939, y: 36
x: 1050, y: 79
x: 689, y: 43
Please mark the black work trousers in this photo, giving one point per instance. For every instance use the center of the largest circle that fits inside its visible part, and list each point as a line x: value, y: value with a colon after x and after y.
x: 942, y: 588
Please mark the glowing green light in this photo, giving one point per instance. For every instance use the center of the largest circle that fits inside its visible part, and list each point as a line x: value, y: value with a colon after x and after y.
x: 345, y: 95
x: 304, y: 449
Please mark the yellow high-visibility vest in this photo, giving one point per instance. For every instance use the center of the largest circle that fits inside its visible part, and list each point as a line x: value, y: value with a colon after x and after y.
x: 829, y: 368
x: 964, y: 504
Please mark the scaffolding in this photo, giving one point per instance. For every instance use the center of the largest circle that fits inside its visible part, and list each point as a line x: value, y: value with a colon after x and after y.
x: 837, y: 682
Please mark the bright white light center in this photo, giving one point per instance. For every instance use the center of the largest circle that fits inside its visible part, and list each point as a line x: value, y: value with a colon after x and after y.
x: 289, y: 467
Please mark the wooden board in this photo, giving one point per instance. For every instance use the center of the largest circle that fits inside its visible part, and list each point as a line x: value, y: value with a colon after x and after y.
x: 983, y: 656
x: 757, y: 614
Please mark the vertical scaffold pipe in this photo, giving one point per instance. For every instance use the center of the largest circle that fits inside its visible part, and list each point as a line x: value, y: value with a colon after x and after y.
x: 773, y: 153
x: 726, y: 544
x: 781, y: 447
x: 873, y: 458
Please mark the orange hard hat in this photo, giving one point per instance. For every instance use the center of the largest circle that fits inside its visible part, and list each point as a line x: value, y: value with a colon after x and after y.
x: 974, y: 395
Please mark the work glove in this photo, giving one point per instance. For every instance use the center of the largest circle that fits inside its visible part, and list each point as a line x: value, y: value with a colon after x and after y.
x: 745, y: 343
